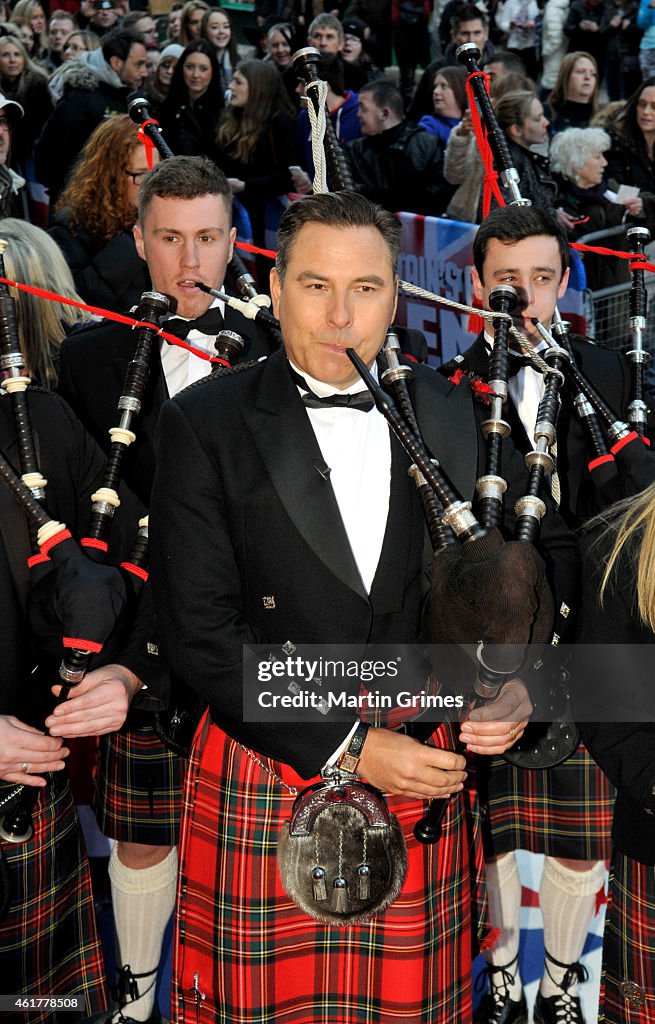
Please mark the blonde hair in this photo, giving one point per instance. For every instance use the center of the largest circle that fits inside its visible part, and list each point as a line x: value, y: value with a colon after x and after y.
x: 632, y: 521
x: 26, y: 9
x: 33, y: 257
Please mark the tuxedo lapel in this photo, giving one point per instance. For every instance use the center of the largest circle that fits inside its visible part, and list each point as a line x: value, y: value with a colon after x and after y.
x: 288, y: 446
x: 449, y: 430
x: 476, y: 357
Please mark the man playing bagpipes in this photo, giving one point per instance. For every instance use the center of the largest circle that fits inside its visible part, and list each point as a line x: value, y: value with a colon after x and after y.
x: 185, y: 234
x: 49, y: 945
x: 564, y: 811
x: 282, y: 515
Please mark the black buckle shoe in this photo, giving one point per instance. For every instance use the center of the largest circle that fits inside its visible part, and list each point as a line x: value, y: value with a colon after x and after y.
x: 496, y: 1006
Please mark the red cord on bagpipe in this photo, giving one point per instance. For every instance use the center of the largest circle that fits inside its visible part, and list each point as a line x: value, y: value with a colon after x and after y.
x: 636, y: 262
x: 490, y: 178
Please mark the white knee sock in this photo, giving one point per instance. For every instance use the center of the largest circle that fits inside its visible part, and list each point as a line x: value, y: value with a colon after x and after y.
x: 568, y: 903
x: 143, y: 902
x: 504, y: 889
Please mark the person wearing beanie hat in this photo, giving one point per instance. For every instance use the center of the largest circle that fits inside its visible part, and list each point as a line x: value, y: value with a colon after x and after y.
x: 359, y: 66
x: 13, y: 201
x: 173, y: 50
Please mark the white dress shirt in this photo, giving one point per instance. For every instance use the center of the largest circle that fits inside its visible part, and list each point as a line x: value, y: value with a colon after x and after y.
x: 182, y: 367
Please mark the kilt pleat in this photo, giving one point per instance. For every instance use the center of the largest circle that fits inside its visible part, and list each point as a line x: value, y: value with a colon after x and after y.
x: 628, y: 979
x: 242, y: 944
x: 564, y: 811
x: 49, y: 944
x: 138, y: 795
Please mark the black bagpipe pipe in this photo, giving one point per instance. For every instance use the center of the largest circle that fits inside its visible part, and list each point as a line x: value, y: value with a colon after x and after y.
x: 12, y: 362
x: 469, y: 55
x: 306, y: 63
x: 622, y: 464
x: 151, y: 310
x: 491, y: 486
x: 637, y: 356
x: 139, y: 111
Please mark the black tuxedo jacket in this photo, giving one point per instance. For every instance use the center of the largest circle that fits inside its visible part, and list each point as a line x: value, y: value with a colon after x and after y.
x: 610, y: 374
x: 615, y: 667
x: 242, y: 512
x: 93, y: 365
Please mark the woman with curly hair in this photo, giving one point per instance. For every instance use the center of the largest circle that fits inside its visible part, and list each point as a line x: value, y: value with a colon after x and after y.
x: 95, y: 214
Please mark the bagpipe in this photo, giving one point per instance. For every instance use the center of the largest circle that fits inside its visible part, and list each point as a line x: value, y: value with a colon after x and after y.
x: 74, y: 602
x: 483, y: 587
x: 620, y: 465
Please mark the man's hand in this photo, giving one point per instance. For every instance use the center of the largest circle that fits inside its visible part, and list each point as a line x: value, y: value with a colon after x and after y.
x: 398, y: 764
x: 97, y: 705
x: 22, y: 744
x: 495, y: 727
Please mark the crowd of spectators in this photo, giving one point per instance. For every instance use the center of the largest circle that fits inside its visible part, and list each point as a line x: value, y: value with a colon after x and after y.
x: 558, y: 73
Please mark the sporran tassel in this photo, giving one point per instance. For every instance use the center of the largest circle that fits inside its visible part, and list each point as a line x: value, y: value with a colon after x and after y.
x: 341, y: 892
x: 319, y: 888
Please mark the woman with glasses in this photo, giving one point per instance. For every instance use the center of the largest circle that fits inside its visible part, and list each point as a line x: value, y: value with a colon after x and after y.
x: 95, y: 213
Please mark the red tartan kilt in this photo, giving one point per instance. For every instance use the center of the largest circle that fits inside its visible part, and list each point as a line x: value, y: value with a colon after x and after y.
x: 256, y: 956
x: 628, y: 981
x: 138, y: 795
x: 564, y: 811
x: 48, y: 941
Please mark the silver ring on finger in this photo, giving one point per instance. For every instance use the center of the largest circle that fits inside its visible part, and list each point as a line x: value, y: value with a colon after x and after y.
x: 25, y: 767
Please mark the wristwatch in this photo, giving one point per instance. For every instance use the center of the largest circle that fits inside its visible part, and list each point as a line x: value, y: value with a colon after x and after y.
x: 349, y: 759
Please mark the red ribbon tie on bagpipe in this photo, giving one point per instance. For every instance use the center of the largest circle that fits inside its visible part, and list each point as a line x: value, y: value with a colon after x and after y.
x: 490, y: 178
x: 72, y: 595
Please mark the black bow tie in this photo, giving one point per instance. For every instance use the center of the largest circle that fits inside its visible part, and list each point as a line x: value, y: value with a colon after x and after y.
x: 210, y: 323
x: 517, y: 363
x: 361, y: 400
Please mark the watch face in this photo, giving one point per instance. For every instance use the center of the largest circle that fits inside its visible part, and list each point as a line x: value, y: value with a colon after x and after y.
x: 348, y: 763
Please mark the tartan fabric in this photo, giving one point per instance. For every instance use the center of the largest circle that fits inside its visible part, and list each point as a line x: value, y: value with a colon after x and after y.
x: 138, y: 795
x: 628, y: 980
x: 48, y: 940
x: 255, y: 957
x: 564, y: 811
